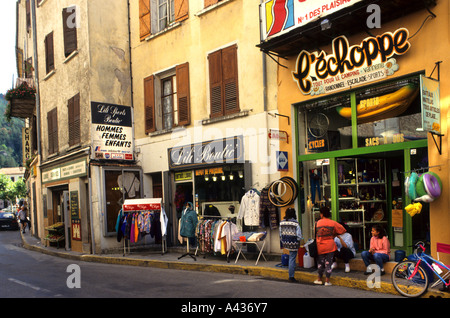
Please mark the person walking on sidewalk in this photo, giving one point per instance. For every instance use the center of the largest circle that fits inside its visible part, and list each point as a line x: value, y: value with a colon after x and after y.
x: 290, y: 236
x: 379, y: 251
x: 23, y: 218
x: 326, y: 231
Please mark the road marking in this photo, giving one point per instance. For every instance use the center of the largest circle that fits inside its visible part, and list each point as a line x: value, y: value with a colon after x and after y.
x: 28, y: 285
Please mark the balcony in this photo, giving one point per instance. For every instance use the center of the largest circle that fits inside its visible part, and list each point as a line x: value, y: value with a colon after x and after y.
x: 288, y: 26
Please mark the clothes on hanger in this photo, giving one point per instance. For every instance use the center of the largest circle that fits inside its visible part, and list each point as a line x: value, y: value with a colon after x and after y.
x: 215, y: 235
x: 134, y: 226
x: 250, y: 208
x: 268, y: 213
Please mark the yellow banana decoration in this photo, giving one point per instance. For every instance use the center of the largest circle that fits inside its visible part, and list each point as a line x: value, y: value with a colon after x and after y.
x: 399, y: 100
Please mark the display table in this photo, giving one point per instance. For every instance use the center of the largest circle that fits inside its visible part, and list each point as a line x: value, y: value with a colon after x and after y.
x: 244, y: 239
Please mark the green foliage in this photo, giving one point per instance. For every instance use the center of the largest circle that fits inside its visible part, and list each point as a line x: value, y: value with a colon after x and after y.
x: 10, y: 138
x: 11, y: 190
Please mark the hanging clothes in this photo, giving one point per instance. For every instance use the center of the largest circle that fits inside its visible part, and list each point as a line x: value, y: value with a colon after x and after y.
x: 188, y: 222
x: 268, y: 213
x: 249, y: 208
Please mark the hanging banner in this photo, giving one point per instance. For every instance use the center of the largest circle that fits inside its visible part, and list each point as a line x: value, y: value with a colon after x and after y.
x: 431, y: 108
x: 111, y: 132
x: 348, y: 66
x: 281, y: 16
x: 26, y: 145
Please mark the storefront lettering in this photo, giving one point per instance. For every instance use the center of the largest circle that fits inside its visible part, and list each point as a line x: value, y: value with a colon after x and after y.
x: 393, y: 139
x: 217, y: 151
x: 316, y: 144
x: 358, y: 63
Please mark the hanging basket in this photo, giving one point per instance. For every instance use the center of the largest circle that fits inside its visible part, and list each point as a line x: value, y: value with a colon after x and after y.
x: 22, y: 107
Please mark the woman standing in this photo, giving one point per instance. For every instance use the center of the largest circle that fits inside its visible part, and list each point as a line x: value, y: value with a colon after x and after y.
x: 290, y: 236
x: 379, y: 251
x: 326, y: 231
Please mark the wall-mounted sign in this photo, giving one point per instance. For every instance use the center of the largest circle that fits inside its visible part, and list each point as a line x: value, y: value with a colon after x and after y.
x: 112, y: 132
x: 281, y: 16
x: 228, y: 150
x: 26, y: 144
x: 67, y: 171
x: 278, y: 134
x: 348, y: 66
x: 76, y: 229
x: 431, y: 109
x: 282, y: 161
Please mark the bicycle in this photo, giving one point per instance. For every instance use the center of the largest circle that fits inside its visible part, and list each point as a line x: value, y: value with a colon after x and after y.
x: 410, y: 277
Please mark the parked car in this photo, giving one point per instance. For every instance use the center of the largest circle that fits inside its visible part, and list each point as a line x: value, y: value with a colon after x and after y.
x: 8, y: 221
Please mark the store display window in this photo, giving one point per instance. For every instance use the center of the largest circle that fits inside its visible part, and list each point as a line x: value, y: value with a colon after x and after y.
x: 389, y: 113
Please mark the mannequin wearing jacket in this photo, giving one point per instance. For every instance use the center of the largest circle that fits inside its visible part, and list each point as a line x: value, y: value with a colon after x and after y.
x: 188, y: 223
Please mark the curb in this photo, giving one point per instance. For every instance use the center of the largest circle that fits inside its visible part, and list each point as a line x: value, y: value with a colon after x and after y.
x: 271, y: 273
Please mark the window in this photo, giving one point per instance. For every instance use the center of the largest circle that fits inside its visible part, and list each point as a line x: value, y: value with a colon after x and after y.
x: 49, y: 55
x: 223, y: 82
x: 69, y: 30
x: 210, y: 2
x: 73, y: 106
x: 157, y: 15
x: 166, y: 99
x: 52, y: 127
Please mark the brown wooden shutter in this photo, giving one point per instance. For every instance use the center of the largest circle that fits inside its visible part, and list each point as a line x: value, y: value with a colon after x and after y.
x: 210, y: 2
x: 149, y: 104
x: 215, y: 83
x: 144, y: 19
x: 70, y: 34
x: 73, y: 105
x: 230, y: 79
x: 52, y: 124
x: 28, y: 13
x: 49, y: 56
x: 181, y: 10
x: 183, y: 95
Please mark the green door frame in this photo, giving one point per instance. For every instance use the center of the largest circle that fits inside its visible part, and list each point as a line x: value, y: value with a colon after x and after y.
x: 355, y: 151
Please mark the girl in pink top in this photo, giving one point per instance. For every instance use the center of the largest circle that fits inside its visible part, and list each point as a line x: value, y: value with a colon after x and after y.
x: 379, y: 251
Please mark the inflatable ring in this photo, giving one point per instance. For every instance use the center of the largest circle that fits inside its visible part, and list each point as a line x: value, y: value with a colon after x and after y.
x: 425, y: 198
x: 412, y: 186
x: 431, y: 185
x: 420, y: 187
x: 437, y: 177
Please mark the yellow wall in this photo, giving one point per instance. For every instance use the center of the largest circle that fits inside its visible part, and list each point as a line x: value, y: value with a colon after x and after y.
x: 428, y: 46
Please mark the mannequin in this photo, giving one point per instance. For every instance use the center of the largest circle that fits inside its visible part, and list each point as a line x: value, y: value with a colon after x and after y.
x: 188, y: 224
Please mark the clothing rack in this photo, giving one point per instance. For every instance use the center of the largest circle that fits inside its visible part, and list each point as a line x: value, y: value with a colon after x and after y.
x: 421, y: 169
x: 228, y: 219
x: 144, y: 205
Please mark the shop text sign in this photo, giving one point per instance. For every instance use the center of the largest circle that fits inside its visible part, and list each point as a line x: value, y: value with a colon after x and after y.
x: 431, y: 109
x: 347, y: 66
x: 112, y: 132
x: 228, y: 150
x: 281, y: 16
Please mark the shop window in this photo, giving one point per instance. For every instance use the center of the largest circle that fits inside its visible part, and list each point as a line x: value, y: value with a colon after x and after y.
x: 220, y: 184
x: 390, y: 113
x: 324, y: 131
x: 119, y: 186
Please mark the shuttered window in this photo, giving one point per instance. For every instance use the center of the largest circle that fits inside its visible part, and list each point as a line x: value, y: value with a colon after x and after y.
x: 73, y: 106
x: 210, y: 2
x: 181, y: 10
x: 170, y: 106
x: 69, y: 30
x: 52, y: 126
x: 223, y: 82
x: 144, y: 19
x: 49, y: 56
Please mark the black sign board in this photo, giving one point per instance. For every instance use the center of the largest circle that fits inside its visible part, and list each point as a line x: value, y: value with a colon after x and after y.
x: 221, y: 151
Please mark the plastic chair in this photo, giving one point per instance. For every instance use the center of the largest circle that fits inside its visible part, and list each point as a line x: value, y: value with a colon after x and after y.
x: 442, y: 248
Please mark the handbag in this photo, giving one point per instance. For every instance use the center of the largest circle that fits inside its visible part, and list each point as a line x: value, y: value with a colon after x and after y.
x: 312, y: 248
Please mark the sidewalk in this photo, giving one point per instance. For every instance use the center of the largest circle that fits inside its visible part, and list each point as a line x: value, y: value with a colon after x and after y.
x: 218, y: 263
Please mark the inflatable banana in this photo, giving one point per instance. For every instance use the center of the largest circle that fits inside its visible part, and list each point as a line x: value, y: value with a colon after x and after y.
x: 385, y: 106
x: 413, y: 208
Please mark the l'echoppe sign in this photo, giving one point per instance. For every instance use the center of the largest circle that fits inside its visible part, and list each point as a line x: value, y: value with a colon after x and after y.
x: 348, y: 66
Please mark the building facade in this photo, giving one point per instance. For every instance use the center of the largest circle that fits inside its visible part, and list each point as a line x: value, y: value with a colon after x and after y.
x: 366, y: 89
x: 204, y: 106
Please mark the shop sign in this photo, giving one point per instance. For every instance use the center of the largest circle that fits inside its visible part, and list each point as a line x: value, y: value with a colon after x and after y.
x: 26, y: 144
x: 282, y: 161
x: 348, y: 66
x: 71, y: 170
x: 74, y: 208
x: 228, y: 150
x: 281, y: 16
x: 183, y: 176
x: 76, y: 229
x: 430, y: 100
x: 278, y: 134
x: 112, y: 132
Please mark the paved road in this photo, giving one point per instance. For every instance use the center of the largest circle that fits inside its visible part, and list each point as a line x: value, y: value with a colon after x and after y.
x: 30, y: 274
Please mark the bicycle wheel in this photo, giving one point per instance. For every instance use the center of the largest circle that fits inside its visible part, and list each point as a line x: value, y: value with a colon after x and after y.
x: 406, y: 284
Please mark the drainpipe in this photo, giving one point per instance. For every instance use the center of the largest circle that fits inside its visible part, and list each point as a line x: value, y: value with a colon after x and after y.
x: 36, y: 77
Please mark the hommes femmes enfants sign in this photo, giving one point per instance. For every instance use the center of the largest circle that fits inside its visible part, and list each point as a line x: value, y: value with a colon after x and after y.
x: 347, y: 66
x: 220, y: 151
x: 112, y: 133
